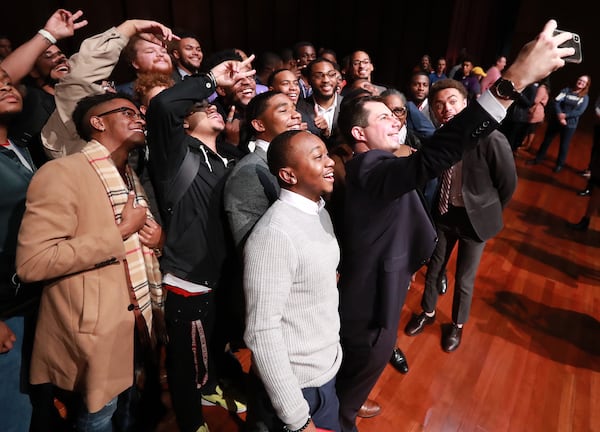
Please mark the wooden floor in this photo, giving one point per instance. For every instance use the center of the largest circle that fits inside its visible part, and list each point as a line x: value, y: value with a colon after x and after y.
x: 530, y: 355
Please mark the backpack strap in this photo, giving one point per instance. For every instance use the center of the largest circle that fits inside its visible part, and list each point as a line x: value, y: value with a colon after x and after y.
x: 184, y: 178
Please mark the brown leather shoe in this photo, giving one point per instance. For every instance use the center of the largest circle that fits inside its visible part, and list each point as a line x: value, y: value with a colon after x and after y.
x: 369, y: 409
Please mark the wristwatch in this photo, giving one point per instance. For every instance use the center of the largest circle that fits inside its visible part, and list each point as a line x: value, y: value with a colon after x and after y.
x: 505, y: 89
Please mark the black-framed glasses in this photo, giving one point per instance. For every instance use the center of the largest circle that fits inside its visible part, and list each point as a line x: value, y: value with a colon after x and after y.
x: 320, y: 75
x: 127, y: 112
x: 361, y: 62
x: 399, y: 112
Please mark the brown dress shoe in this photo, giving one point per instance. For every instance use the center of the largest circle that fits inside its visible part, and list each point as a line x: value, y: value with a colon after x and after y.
x: 369, y: 409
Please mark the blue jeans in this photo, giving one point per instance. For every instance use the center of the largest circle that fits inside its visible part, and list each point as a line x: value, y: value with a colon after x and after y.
x: 100, y: 421
x: 15, y: 406
x: 566, y: 133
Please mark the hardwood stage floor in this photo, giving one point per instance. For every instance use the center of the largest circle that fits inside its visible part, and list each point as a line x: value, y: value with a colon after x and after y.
x: 530, y: 354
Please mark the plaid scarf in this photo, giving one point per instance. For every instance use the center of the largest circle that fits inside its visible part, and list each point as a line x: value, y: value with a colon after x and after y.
x: 142, y: 264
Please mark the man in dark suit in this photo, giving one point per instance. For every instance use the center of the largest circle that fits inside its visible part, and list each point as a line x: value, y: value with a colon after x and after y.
x: 470, y: 201
x: 322, y: 108
x: 387, y: 233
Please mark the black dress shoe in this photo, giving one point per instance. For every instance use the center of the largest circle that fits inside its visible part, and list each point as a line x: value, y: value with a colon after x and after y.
x: 451, y: 340
x: 582, y: 225
x: 442, y: 286
x: 417, y: 323
x: 398, y: 360
x: 585, y: 192
x: 557, y: 168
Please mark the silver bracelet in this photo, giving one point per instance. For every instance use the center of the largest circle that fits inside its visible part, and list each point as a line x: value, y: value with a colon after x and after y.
x: 47, y: 35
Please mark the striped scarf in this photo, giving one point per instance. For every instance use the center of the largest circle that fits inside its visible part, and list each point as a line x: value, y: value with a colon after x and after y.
x: 142, y: 264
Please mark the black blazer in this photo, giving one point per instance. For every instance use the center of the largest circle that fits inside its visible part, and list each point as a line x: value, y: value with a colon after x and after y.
x: 489, y: 179
x: 306, y: 107
x: 388, y: 233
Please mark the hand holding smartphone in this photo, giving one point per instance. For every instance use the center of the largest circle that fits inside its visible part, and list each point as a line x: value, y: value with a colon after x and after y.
x: 574, y: 42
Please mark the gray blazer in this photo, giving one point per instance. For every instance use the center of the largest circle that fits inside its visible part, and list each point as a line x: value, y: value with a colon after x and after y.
x: 249, y: 191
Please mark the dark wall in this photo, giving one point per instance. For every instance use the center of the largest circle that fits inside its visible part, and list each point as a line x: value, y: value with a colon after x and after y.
x: 394, y: 33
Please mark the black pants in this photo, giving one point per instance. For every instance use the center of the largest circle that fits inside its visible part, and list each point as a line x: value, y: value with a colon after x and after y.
x: 188, y: 367
x: 366, y: 353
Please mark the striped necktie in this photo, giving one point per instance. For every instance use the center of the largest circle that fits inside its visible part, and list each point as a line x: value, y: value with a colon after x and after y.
x: 445, y: 190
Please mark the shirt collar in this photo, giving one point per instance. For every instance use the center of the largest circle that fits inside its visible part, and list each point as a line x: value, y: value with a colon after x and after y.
x: 262, y: 144
x: 331, y: 108
x: 301, y: 202
x: 182, y: 73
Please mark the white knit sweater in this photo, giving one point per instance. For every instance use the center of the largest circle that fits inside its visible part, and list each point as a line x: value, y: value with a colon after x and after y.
x: 292, y: 322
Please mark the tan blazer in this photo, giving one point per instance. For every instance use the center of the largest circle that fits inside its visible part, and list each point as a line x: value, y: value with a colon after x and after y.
x: 69, y: 238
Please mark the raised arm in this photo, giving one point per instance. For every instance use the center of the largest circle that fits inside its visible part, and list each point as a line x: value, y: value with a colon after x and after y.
x: 95, y: 61
x: 60, y: 25
x: 537, y: 59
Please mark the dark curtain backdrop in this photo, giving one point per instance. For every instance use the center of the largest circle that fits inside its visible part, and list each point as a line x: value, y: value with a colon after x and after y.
x: 395, y: 33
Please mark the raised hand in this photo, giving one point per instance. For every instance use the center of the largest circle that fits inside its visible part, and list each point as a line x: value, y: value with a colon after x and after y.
x: 540, y: 57
x: 62, y: 23
x: 321, y: 122
x: 152, y: 31
x: 230, y: 71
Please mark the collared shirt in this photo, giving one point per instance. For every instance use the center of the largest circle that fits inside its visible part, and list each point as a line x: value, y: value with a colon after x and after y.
x: 305, y: 89
x: 424, y: 106
x: 402, y: 134
x: 17, y: 152
x: 301, y: 202
x: 262, y: 144
x: 494, y: 108
x: 328, y: 112
x: 182, y: 73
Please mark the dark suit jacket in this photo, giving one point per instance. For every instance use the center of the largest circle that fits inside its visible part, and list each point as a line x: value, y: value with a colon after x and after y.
x: 489, y: 178
x: 307, y: 110
x: 388, y: 234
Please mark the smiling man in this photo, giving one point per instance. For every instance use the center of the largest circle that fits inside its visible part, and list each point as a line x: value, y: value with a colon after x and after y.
x: 322, y: 108
x: 145, y: 56
x: 87, y: 220
x: 290, y: 263
x: 188, y: 173
x: 387, y: 233
x: 39, y: 102
x: 251, y: 188
x: 187, y: 55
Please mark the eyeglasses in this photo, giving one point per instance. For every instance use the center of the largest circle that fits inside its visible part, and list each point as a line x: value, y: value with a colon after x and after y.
x: 399, y: 112
x: 201, y: 106
x: 361, y: 62
x: 127, y: 112
x: 320, y: 75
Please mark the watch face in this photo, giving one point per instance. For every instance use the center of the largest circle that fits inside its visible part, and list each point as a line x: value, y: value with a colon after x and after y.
x: 506, y: 90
